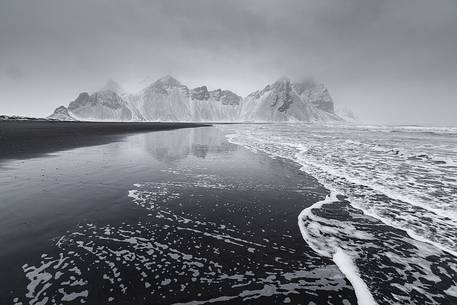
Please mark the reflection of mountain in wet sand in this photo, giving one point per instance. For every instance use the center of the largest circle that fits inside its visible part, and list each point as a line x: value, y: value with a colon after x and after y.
x: 179, y: 144
x: 210, y: 222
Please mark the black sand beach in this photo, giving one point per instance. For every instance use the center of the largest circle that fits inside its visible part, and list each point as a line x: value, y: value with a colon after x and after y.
x: 23, y: 139
x: 167, y: 217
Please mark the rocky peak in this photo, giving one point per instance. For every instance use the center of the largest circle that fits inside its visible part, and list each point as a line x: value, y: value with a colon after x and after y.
x: 281, y: 85
x: 61, y: 113
x: 61, y: 110
x: 301, y: 87
x: 281, y: 94
x: 227, y: 97
x: 164, y: 84
x: 318, y: 96
x: 200, y: 93
x: 82, y: 99
x: 168, y: 99
x: 106, y: 97
x: 168, y: 81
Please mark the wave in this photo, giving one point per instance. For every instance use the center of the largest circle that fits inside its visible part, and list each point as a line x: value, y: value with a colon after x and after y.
x: 393, y: 202
x: 410, y: 192
x: 436, y: 130
x: 344, y: 262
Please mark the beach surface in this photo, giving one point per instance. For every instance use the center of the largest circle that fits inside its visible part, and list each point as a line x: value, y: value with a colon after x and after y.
x: 25, y: 139
x: 170, y: 217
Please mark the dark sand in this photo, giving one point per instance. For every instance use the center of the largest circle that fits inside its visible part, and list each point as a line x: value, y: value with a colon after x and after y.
x: 166, y: 217
x: 24, y: 139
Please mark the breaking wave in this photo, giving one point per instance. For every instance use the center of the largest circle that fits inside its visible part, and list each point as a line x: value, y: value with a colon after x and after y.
x: 393, y: 228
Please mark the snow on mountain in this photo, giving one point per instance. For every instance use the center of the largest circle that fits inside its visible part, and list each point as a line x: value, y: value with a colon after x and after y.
x: 168, y: 100
x: 103, y: 105
x: 61, y: 114
x: 287, y: 101
x: 217, y: 105
x: 347, y: 114
x: 165, y: 100
x: 317, y: 95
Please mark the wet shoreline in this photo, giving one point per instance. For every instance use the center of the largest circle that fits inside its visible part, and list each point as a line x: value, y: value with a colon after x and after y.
x: 177, y: 216
x: 389, y: 242
x: 28, y: 139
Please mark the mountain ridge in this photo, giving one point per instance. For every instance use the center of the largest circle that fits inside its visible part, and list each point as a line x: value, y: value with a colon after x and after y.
x: 167, y: 99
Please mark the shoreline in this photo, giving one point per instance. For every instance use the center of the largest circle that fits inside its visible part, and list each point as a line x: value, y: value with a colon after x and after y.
x: 360, y: 242
x: 218, y: 230
x: 28, y: 139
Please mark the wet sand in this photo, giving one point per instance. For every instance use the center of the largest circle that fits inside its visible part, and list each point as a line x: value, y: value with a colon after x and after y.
x: 25, y: 139
x: 166, y: 217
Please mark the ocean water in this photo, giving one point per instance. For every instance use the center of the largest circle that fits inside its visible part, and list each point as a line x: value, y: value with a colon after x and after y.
x: 390, y: 223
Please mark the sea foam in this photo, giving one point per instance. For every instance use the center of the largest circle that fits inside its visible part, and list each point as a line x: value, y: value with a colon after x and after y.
x: 403, y: 180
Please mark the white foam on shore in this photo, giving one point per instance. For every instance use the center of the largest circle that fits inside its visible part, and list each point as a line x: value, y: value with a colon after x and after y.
x: 307, y: 213
x: 397, y: 180
x: 338, y: 255
x: 440, y: 217
x: 350, y: 270
x: 421, y: 200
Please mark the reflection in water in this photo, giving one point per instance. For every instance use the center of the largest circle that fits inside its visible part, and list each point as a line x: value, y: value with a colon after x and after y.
x: 173, y: 217
x: 178, y: 144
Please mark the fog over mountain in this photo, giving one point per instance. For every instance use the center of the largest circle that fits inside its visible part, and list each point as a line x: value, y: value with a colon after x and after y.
x: 387, y: 61
x: 167, y: 99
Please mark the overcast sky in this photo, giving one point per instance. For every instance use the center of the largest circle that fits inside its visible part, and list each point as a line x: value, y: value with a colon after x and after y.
x: 391, y: 62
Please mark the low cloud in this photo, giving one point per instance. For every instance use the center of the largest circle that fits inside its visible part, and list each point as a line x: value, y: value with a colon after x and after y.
x: 377, y: 57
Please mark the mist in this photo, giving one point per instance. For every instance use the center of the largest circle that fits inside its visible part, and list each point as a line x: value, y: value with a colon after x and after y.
x: 391, y: 62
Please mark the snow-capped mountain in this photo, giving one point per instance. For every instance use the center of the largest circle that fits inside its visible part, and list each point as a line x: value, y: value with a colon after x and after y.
x: 347, y: 114
x: 103, y: 105
x: 317, y: 95
x: 164, y: 100
x: 113, y: 86
x: 168, y: 100
x: 61, y: 114
x: 216, y: 105
x: 287, y: 101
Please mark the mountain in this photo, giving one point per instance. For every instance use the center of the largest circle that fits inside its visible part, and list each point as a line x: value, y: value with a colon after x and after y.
x: 347, y: 114
x: 164, y: 100
x: 61, y: 114
x: 317, y: 95
x: 216, y: 105
x: 113, y: 86
x: 105, y: 105
x: 4, y: 117
x: 167, y: 99
x: 287, y: 101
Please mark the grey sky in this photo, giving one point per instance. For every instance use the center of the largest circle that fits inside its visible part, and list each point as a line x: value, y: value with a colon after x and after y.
x: 389, y: 61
